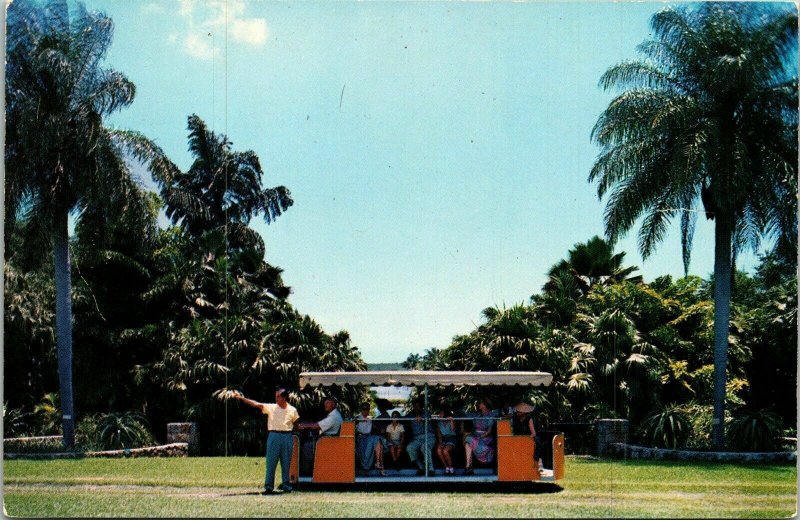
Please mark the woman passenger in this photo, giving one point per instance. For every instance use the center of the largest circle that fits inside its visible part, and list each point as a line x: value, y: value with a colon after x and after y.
x: 480, y: 443
x: 446, y: 439
x: 368, y: 445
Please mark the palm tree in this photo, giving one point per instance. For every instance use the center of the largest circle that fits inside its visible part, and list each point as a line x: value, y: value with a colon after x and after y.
x: 412, y: 362
x: 222, y: 191
x: 58, y: 153
x: 709, y: 116
x: 593, y: 262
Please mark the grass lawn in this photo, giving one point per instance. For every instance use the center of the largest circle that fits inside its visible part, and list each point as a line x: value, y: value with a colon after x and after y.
x: 220, y: 487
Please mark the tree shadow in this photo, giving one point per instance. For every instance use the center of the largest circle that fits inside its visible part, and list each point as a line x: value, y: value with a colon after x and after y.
x: 436, y: 487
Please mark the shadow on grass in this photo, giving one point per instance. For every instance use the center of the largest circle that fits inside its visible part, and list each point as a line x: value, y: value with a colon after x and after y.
x: 245, y: 494
x: 435, y: 487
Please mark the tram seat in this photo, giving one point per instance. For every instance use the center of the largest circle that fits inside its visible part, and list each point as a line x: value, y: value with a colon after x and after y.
x: 294, y: 467
x: 514, y: 455
x: 335, y: 457
x: 558, y: 456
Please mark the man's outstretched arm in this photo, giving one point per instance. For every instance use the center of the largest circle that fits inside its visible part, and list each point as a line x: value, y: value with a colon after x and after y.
x: 254, y: 404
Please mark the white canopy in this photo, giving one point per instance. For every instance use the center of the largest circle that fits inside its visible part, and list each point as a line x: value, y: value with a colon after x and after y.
x: 421, y: 377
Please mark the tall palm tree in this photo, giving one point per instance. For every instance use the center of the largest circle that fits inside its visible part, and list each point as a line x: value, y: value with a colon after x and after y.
x: 709, y: 116
x: 222, y: 191
x: 58, y: 152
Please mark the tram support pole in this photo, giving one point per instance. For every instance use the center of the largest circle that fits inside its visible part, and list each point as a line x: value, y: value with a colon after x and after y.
x: 427, y: 450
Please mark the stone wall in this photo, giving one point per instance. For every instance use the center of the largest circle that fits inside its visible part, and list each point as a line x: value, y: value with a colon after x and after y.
x: 44, y: 444
x: 640, y: 452
x: 17, y: 441
x: 610, y: 432
x: 183, y: 432
x: 178, y: 449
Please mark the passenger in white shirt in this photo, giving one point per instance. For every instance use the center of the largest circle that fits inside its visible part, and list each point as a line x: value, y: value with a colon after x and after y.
x: 329, y: 426
x: 369, y: 448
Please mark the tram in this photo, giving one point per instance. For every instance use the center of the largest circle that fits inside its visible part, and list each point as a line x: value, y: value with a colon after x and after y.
x: 335, y: 456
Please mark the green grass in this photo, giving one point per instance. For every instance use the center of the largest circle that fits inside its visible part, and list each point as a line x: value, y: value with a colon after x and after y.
x: 219, y: 487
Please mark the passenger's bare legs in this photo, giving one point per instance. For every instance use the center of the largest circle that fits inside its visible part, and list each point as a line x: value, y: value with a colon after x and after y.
x: 440, y: 454
x: 468, y: 455
x: 447, y: 457
x: 395, y: 451
x: 379, y: 457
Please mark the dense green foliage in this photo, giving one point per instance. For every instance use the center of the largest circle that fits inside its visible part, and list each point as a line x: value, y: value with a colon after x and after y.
x: 642, y: 351
x: 165, y: 319
x: 708, y: 116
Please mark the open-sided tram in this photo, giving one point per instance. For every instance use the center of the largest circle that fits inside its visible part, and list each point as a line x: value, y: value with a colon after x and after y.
x: 335, y: 456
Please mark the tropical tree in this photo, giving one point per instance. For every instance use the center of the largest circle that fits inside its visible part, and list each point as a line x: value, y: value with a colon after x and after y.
x: 222, y: 191
x: 709, y: 116
x: 60, y: 158
x: 593, y: 262
x: 412, y: 362
x: 28, y: 335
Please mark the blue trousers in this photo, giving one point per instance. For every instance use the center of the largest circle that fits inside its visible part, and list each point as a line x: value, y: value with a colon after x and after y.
x: 416, y: 452
x: 279, y: 447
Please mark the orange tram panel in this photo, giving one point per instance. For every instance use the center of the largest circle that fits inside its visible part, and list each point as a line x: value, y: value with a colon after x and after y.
x: 334, y: 457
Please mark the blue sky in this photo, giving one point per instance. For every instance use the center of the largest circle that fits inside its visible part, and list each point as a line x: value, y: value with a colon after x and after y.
x: 437, y: 152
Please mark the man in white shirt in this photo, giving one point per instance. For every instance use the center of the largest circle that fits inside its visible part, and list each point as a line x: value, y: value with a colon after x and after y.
x: 281, y: 419
x: 329, y: 426
x: 332, y: 422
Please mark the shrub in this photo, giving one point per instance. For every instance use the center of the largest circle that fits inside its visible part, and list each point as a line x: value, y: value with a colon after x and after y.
x: 123, y: 430
x: 48, y: 414
x: 86, y: 437
x: 668, y: 428
x: 16, y: 423
x: 247, y: 436
x: 700, y: 417
x: 754, y: 430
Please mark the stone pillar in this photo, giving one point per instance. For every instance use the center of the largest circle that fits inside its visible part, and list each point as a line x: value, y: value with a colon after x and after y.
x: 183, y: 432
x: 609, y: 432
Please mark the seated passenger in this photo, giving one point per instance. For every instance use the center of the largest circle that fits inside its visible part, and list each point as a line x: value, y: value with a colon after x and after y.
x: 382, y: 420
x: 423, y: 438
x: 395, y: 435
x: 480, y: 443
x: 522, y: 424
x: 369, y: 448
x: 446, y: 439
x: 329, y: 426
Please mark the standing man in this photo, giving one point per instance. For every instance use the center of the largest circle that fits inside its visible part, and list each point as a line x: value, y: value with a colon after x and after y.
x: 281, y: 419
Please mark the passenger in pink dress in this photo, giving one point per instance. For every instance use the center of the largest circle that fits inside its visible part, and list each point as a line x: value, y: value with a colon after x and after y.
x: 480, y: 443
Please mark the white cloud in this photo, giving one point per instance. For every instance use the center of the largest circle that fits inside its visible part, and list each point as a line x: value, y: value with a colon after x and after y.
x: 151, y: 8
x: 198, y: 46
x: 211, y: 16
x: 252, y: 31
x: 186, y: 7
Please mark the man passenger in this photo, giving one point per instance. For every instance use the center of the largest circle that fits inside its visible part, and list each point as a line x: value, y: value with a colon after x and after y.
x: 416, y: 449
x: 329, y: 426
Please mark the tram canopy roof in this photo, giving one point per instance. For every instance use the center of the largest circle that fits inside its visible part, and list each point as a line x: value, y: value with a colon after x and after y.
x: 423, y: 377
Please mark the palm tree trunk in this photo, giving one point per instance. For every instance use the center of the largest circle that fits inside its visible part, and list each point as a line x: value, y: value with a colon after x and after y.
x: 63, y: 280
x: 722, y: 306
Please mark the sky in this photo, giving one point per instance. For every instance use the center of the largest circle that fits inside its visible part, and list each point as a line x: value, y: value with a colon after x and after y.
x: 437, y: 152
